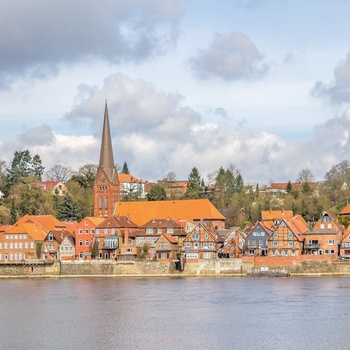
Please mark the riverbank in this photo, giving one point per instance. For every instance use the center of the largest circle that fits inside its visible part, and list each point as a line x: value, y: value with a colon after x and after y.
x: 148, y: 269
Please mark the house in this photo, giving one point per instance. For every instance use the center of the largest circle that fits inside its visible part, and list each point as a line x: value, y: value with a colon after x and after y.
x: 84, y: 237
x: 345, y: 245
x: 271, y: 218
x: 150, y: 232
x: 325, y: 237
x: 21, y: 242
x: 114, y: 232
x: 132, y: 187
x: 195, y: 210
x: 67, y: 247
x: 288, y: 237
x: 174, y: 189
x: 51, y: 245
x: 233, y: 244
x: 55, y: 187
x: 256, y: 240
x: 167, y: 248
x: 201, y: 243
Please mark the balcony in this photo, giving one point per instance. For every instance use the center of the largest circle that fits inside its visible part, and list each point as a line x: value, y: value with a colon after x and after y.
x: 110, y: 246
x: 312, y: 246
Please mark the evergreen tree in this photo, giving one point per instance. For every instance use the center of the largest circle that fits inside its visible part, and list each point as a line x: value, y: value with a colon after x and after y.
x: 194, y: 188
x: 95, y: 251
x: 37, y: 167
x: 289, y: 187
x: 238, y: 182
x: 13, y: 212
x: 68, y: 209
x: 125, y: 169
x: 157, y: 193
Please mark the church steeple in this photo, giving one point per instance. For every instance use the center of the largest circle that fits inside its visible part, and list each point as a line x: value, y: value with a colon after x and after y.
x: 106, y: 152
x: 106, y: 187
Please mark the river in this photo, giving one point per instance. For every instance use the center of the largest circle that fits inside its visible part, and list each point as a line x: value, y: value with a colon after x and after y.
x: 175, y: 313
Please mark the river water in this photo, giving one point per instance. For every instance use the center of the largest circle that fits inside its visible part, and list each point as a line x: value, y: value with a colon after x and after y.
x: 175, y: 313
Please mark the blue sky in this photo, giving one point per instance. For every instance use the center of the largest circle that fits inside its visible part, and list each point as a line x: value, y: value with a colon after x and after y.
x: 262, y: 85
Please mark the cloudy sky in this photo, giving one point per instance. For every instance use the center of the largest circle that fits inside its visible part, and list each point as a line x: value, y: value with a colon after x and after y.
x: 263, y: 85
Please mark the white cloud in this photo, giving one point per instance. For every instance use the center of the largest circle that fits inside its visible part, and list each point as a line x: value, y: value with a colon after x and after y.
x: 230, y: 57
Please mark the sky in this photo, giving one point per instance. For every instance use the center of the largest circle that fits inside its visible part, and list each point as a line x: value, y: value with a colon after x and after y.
x: 262, y: 85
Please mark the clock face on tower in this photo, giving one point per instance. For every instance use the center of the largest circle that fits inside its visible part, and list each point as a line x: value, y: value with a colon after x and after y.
x: 103, y: 180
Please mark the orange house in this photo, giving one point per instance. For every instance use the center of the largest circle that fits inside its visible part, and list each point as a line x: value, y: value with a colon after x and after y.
x: 84, y: 237
x: 288, y: 237
x: 166, y: 248
x: 202, y: 242
x: 325, y: 238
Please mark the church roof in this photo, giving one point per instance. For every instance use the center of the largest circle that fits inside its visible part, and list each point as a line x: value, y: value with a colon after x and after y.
x: 180, y: 210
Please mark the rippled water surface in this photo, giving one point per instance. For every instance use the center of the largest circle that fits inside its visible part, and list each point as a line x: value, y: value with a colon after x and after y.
x: 188, y: 313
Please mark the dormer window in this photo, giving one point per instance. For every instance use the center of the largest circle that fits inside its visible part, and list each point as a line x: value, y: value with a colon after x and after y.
x: 50, y: 237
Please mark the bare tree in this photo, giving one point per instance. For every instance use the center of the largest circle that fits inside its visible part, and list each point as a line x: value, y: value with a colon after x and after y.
x: 59, y: 173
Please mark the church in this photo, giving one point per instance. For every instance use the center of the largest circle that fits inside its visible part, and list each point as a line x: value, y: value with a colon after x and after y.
x: 107, y: 195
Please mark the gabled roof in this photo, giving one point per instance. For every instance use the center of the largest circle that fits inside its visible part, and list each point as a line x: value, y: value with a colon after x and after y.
x: 276, y: 214
x: 169, y: 237
x: 297, y: 225
x: 128, y: 178
x: 162, y: 223
x: 94, y: 220
x: 346, y: 210
x: 36, y: 232
x: 48, y: 222
x: 59, y: 235
x: 117, y: 221
x: 184, y: 210
x: 263, y: 225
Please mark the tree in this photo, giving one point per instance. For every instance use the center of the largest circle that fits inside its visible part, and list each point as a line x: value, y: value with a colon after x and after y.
x: 95, y: 251
x: 68, y: 209
x: 143, y: 251
x: 132, y: 192
x: 305, y: 176
x: 38, y: 247
x: 86, y: 175
x: 194, y: 189
x: 24, y: 165
x: 59, y: 173
x: 289, y: 187
x: 157, y: 193
x: 37, y: 167
x: 125, y: 169
x: 170, y: 176
x: 13, y: 212
x: 224, y: 187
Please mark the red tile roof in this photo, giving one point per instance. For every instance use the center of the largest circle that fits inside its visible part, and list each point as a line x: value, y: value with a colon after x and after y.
x: 184, y: 210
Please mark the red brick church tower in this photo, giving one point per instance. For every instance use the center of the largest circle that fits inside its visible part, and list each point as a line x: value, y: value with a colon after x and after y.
x: 106, y: 187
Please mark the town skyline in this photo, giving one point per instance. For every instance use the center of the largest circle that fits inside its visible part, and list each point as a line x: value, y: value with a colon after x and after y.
x: 257, y: 84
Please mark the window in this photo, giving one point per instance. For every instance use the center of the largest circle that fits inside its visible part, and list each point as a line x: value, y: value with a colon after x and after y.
x: 100, y: 202
x: 292, y: 253
x: 275, y: 235
x: 329, y: 226
x: 97, y: 231
x: 170, y: 230
x: 80, y: 255
x: 106, y: 204
x: 195, y: 236
x: 148, y: 239
x: 16, y: 236
x: 286, y: 253
x: 141, y: 240
x: 211, y: 244
x: 280, y: 252
x: 32, y: 245
x: 86, y: 243
x: 92, y: 231
x: 24, y: 236
x: 188, y: 245
x: 191, y: 255
x: 273, y: 252
x: 205, y: 244
x: 149, y: 230
x: 331, y: 242
x: 206, y: 236
x: 290, y: 243
x: 80, y: 243
x: 11, y: 245
x: 159, y: 230
x: 332, y: 251
x: 164, y: 256
x: 0, y: 245
x: 105, y: 231
x: 25, y: 245
x: 86, y: 232
x: 275, y: 243
x: 206, y: 255
x: 322, y: 226
x: 16, y: 245
x: 195, y: 245
x: 290, y: 235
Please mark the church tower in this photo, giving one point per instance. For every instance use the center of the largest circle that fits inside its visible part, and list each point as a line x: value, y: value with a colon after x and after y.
x: 106, y: 187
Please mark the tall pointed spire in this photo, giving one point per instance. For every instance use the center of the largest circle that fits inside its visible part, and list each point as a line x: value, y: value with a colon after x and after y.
x: 106, y: 186
x: 106, y: 152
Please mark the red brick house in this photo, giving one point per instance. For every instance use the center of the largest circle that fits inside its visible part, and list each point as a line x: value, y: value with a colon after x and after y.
x: 166, y: 248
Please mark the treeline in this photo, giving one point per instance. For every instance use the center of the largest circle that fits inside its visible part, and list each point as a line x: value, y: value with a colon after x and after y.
x: 224, y: 187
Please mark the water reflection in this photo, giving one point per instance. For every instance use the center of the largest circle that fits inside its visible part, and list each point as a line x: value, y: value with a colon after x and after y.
x: 197, y: 313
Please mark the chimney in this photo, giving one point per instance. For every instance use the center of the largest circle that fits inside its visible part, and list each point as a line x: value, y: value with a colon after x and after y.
x: 126, y: 237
